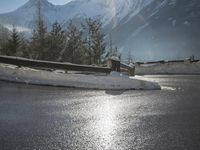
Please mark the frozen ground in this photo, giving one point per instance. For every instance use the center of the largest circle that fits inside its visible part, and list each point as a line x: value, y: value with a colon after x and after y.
x: 169, y: 68
x: 114, y: 81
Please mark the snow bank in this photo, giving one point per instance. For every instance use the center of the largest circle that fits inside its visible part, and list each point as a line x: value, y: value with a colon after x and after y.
x: 40, y: 77
x: 169, y: 68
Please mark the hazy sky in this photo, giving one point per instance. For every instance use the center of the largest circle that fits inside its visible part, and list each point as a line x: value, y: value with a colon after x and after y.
x: 9, y: 5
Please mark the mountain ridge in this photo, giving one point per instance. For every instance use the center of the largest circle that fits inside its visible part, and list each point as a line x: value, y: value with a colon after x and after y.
x: 106, y: 10
x: 150, y: 29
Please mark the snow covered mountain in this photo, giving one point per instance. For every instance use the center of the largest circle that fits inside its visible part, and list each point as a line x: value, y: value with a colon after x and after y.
x: 106, y: 10
x: 149, y: 29
x: 165, y: 29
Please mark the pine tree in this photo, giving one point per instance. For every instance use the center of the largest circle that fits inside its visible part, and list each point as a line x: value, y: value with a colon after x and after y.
x: 112, y: 51
x: 24, y: 51
x: 98, y: 46
x: 94, y: 40
x: 89, y: 54
x: 38, y: 44
x: 4, y: 35
x: 56, y: 40
x: 13, y: 43
x: 111, y: 45
x: 73, y: 51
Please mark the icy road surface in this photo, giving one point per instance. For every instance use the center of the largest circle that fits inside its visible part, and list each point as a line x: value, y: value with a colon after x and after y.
x: 39, y: 117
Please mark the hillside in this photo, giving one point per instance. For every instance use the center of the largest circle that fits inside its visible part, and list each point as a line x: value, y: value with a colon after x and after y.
x: 145, y: 29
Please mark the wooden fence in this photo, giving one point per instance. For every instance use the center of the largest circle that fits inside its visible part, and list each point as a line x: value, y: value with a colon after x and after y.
x: 18, y: 61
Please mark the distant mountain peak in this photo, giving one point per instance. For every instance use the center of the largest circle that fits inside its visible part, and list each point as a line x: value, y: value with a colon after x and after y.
x: 32, y: 3
x: 36, y: 1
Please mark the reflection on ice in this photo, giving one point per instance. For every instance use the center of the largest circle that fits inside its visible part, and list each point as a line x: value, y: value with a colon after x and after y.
x: 106, y: 122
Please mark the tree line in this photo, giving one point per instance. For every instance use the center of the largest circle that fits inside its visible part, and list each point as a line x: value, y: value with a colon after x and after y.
x: 81, y: 45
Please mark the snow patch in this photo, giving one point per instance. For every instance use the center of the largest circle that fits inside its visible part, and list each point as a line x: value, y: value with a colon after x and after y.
x: 18, y: 28
x: 168, y: 88
x: 40, y: 77
x: 170, y: 68
x: 115, y: 58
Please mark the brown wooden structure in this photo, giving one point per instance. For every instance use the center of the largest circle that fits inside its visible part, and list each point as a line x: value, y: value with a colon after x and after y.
x: 18, y: 61
x: 114, y: 64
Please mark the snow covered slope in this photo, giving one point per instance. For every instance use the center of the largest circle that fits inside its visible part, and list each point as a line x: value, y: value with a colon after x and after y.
x: 165, y: 29
x: 39, y: 77
x: 169, y: 68
x: 26, y: 15
x: 106, y: 10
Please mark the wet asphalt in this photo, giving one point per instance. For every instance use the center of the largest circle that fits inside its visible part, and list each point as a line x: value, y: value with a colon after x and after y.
x: 53, y: 118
